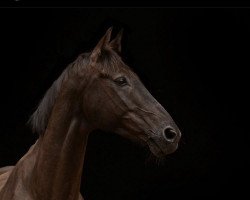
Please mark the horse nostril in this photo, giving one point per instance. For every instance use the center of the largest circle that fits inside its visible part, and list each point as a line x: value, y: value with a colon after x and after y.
x: 169, y: 134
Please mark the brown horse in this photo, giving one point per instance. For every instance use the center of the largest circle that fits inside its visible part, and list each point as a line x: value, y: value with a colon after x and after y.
x: 97, y: 91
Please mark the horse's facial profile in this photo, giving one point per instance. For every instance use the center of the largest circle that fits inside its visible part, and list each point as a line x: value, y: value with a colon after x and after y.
x: 119, y: 102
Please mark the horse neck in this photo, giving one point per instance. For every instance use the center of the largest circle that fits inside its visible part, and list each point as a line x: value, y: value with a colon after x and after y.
x: 59, y: 163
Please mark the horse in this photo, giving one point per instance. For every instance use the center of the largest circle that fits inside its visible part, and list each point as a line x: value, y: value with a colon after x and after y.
x: 97, y: 91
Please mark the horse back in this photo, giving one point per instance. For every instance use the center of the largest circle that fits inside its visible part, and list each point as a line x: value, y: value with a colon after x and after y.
x: 5, y: 169
x: 4, y: 175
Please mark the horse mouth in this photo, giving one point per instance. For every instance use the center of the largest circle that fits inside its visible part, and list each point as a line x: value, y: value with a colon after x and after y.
x: 161, y: 151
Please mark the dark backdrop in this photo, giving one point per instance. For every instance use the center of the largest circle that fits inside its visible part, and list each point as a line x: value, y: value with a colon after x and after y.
x: 194, y: 61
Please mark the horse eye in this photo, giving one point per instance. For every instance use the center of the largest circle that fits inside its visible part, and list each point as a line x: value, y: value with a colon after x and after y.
x: 121, y: 81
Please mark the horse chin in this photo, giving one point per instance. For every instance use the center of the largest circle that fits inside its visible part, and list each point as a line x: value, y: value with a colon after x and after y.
x: 158, y: 150
x: 162, y: 152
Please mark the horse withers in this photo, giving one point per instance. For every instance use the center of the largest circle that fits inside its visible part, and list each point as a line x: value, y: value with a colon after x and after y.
x: 97, y: 91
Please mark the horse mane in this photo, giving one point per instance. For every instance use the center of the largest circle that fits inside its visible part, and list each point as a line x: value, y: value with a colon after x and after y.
x: 38, y: 121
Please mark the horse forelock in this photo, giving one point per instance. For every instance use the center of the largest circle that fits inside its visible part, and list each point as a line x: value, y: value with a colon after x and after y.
x: 109, y: 62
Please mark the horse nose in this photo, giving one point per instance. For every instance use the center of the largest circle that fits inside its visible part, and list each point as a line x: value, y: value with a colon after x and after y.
x: 170, y: 134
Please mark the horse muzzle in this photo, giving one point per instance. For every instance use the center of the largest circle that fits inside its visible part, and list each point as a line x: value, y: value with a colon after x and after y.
x: 164, y: 142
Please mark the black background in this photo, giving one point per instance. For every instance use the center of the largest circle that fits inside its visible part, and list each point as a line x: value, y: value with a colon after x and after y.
x: 193, y: 60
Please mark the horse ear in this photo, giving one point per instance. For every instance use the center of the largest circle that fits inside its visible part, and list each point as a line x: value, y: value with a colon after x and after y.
x: 103, y: 42
x: 115, y: 44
